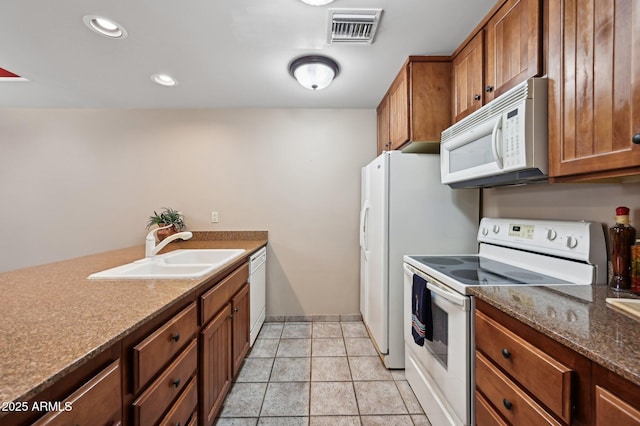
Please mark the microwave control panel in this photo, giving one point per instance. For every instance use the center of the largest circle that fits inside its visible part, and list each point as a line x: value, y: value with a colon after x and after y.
x: 513, y: 152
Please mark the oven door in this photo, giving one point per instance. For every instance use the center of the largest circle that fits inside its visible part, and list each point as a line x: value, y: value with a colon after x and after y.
x: 440, y: 371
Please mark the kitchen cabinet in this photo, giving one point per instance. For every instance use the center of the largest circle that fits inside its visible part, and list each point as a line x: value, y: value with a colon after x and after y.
x: 383, y: 133
x: 504, y: 52
x: 468, y: 78
x: 614, y: 398
x: 513, y: 46
x: 594, y: 90
x: 417, y: 106
x: 98, y: 402
x: 523, y: 377
x: 224, y: 339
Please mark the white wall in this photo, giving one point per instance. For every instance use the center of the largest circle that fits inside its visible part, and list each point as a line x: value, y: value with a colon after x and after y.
x: 577, y: 201
x: 74, y: 182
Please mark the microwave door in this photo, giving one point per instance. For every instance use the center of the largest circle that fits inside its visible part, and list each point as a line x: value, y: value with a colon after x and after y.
x: 474, y: 153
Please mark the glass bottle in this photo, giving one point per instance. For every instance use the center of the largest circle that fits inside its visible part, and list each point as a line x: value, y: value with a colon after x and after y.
x: 621, y: 238
x: 635, y: 267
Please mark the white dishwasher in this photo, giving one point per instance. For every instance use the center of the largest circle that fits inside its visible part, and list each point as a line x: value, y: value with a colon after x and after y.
x: 257, y: 291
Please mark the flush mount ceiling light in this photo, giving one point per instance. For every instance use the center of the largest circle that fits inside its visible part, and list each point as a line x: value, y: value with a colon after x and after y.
x: 164, y: 80
x: 314, y: 72
x: 104, y: 26
x: 316, y: 2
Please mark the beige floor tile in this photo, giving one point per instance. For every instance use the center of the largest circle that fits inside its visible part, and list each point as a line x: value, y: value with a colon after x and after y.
x: 354, y: 329
x: 334, y: 421
x: 292, y: 348
x: 271, y: 330
x: 386, y: 421
x: 326, y: 329
x: 244, y: 400
x: 236, y: 421
x: 409, y: 398
x: 264, y: 348
x: 420, y: 420
x: 333, y: 398
x: 368, y: 368
x: 379, y: 398
x: 328, y: 347
x: 359, y: 346
x: 291, y: 370
x: 297, y: 330
x: 286, y: 400
x: 330, y: 369
x: 283, y: 421
x: 255, y: 370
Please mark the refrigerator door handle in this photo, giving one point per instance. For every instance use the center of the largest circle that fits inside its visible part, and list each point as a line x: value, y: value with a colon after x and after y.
x: 364, y: 229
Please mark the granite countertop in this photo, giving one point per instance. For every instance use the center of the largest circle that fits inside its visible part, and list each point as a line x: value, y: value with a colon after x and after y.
x: 593, y: 328
x: 54, y: 318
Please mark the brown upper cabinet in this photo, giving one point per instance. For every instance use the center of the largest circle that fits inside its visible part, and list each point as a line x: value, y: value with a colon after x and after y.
x: 594, y: 89
x: 416, y: 108
x: 468, y: 78
x: 506, y: 51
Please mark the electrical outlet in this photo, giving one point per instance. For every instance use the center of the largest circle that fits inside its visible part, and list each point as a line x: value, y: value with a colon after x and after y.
x: 214, y: 217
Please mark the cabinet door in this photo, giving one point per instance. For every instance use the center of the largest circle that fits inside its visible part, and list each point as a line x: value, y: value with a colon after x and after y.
x: 594, y: 88
x: 384, y: 138
x: 241, y: 327
x: 468, y: 78
x: 399, y: 109
x: 215, y: 364
x: 514, y: 46
x: 609, y: 407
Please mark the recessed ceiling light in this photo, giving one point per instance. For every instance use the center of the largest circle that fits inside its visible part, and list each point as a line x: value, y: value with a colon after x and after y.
x: 104, y: 26
x: 164, y: 80
x: 316, y: 2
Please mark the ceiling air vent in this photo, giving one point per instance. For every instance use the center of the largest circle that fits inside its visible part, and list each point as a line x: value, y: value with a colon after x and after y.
x: 353, y: 25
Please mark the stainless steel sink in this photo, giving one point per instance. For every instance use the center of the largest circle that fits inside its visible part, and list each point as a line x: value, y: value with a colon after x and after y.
x: 192, y: 263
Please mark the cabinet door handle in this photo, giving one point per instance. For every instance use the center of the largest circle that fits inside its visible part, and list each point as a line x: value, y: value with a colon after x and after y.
x: 231, y: 316
x: 506, y: 353
x: 175, y: 337
x: 176, y: 382
x: 477, y: 97
x: 508, y: 405
x: 236, y: 309
x: 489, y: 89
x: 636, y: 139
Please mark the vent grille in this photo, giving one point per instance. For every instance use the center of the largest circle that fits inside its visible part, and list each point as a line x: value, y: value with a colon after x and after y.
x: 353, y: 25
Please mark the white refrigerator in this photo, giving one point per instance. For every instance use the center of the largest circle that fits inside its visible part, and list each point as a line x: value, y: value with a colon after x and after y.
x: 405, y: 210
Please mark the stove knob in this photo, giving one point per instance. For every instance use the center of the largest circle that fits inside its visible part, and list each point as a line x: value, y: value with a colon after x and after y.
x: 572, y: 242
x: 485, y: 231
x: 551, y: 234
x: 496, y: 229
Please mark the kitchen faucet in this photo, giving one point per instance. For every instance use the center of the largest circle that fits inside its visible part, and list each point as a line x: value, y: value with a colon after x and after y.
x: 151, y: 249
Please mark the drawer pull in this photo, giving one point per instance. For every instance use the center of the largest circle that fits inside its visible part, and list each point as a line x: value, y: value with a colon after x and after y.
x: 636, y: 138
x: 175, y: 337
x: 508, y: 405
x: 236, y: 309
x: 477, y: 97
x: 506, y: 353
x: 176, y: 382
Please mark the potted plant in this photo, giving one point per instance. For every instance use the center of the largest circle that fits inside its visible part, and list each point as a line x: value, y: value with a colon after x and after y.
x: 166, y: 217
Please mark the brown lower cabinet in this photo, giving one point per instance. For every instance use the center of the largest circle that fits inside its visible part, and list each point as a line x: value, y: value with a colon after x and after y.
x: 525, y: 378
x: 175, y: 369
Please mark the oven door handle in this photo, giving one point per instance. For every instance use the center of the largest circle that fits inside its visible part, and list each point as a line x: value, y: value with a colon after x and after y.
x: 439, y: 289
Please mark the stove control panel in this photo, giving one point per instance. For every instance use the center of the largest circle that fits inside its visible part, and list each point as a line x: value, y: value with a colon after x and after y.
x: 577, y: 240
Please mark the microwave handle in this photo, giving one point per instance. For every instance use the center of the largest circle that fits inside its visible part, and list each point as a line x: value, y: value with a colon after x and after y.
x: 496, y: 138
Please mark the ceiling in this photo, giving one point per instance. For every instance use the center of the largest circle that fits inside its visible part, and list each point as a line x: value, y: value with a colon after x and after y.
x: 224, y: 53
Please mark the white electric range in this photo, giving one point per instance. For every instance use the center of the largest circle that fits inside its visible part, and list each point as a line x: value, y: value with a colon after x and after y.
x: 566, y: 256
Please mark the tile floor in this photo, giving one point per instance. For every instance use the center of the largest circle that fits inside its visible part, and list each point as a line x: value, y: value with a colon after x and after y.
x: 318, y: 374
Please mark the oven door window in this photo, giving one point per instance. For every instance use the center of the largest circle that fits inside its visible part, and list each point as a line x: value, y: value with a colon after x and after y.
x: 439, y: 347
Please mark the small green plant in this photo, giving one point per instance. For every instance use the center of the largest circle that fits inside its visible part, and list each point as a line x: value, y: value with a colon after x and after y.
x: 167, y: 217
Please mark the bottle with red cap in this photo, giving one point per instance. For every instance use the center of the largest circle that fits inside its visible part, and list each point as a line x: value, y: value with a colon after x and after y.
x: 621, y: 238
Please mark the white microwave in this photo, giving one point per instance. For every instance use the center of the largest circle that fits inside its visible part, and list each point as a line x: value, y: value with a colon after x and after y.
x: 502, y: 143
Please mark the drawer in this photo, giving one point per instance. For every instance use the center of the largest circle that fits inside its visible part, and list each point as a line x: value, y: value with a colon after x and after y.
x: 150, y: 406
x: 184, y: 407
x: 99, y: 401
x: 485, y: 414
x: 213, y: 300
x: 154, y: 352
x: 543, y: 376
x: 609, y: 406
x: 507, y: 398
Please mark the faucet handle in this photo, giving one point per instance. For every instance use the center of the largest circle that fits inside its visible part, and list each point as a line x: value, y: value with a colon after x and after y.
x: 151, y: 236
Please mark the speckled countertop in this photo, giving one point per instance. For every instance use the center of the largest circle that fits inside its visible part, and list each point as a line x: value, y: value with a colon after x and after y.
x: 592, y: 327
x: 53, y: 318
